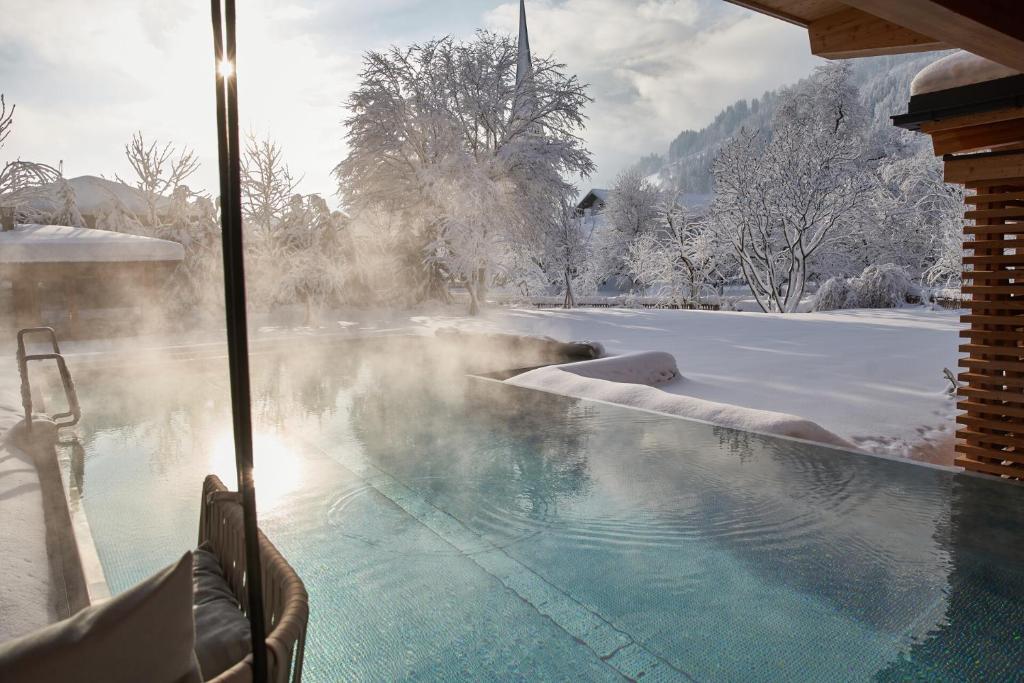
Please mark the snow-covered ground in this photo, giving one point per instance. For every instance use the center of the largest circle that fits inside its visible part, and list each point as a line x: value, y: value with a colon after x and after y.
x: 872, y: 377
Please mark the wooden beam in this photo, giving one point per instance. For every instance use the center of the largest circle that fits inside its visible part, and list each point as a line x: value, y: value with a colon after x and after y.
x: 976, y: 119
x: 993, y: 29
x: 984, y: 167
x: 854, y: 33
x: 998, y: 197
x: 974, y: 138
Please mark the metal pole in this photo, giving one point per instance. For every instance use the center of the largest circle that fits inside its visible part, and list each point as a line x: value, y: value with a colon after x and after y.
x: 235, y: 313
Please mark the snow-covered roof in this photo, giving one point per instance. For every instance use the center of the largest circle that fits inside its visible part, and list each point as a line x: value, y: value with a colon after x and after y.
x: 63, y: 244
x: 957, y: 70
x: 595, y: 195
x: 95, y: 195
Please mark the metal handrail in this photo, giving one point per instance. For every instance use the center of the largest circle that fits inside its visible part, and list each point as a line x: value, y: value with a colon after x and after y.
x: 74, y: 412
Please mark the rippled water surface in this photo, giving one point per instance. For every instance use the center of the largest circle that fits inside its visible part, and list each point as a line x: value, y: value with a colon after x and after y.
x: 453, y: 529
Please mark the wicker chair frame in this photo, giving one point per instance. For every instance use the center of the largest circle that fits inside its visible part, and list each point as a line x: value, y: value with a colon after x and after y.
x: 285, y: 601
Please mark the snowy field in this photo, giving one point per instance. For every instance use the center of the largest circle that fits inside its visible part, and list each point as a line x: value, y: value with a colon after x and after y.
x: 872, y: 377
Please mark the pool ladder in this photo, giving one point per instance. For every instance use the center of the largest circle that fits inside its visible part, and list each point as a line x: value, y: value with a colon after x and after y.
x: 74, y: 412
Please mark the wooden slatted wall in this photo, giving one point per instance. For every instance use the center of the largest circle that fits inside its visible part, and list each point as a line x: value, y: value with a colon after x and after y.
x: 991, y: 397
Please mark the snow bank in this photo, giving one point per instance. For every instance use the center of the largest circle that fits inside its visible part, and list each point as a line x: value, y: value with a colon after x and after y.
x: 25, y: 591
x: 957, y: 70
x: 873, y: 377
x: 63, y: 244
x: 626, y: 380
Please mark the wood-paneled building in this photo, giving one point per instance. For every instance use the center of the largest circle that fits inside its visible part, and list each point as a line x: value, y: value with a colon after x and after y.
x: 58, y: 274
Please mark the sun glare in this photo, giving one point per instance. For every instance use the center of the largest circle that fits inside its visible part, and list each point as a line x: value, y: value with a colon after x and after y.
x: 276, y: 473
x: 226, y: 68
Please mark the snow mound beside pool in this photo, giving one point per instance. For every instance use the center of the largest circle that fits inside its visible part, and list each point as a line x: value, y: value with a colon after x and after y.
x: 630, y: 380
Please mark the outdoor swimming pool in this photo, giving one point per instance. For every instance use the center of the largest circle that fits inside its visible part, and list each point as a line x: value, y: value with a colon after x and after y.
x: 458, y: 529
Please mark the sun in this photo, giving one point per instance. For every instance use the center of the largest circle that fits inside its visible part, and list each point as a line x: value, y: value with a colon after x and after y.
x: 226, y: 68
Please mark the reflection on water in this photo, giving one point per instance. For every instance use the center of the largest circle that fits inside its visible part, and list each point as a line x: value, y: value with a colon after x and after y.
x: 454, y: 529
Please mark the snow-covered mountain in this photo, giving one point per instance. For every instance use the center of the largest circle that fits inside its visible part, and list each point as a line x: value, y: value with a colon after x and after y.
x: 884, y: 83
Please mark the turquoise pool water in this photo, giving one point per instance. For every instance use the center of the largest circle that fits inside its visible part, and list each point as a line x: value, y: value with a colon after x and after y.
x: 454, y: 529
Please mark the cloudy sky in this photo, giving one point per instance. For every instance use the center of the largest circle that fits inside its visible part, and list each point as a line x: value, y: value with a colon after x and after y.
x: 86, y: 75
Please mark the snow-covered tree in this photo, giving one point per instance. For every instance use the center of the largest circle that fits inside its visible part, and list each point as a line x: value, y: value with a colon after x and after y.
x: 379, y: 258
x: 694, y: 254
x: 632, y: 207
x: 6, y: 120
x: 27, y: 185
x: 172, y: 211
x: 923, y: 219
x: 24, y: 185
x: 158, y: 170
x: 267, y: 184
x: 783, y: 197
x: 440, y: 137
x: 681, y: 256
x: 568, y: 252
x: 314, y: 254
x: 67, y: 212
x: 631, y: 211
x: 646, y: 262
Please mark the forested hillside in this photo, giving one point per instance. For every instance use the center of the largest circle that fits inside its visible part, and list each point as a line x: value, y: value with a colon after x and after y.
x: 884, y: 84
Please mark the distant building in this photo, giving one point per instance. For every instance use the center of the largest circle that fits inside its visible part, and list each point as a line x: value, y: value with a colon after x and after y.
x: 66, y: 277
x: 593, y: 202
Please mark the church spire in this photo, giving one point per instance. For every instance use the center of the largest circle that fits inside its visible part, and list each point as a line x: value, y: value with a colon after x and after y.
x: 525, y: 63
x: 524, y: 70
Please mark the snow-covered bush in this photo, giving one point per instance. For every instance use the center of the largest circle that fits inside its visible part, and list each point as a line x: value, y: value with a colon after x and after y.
x: 883, y: 286
x: 879, y: 286
x: 833, y: 295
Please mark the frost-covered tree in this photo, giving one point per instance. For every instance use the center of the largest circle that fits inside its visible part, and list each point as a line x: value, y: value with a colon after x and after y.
x: 633, y: 202
x: 314, y: 254
x: 471, y: 162
x: 631, y: 211
x: 6, y: 120
x: 681, y: 256
x: 782, y: 198
x: 568, y: 252
x: 25, y: 184
x: 267, y: 184
x: 157, y: 171
x: 67, y: 212
x: 922, y: 226
x: 171, y: 210
x: 646, y: 262
x: 695, y: 258
x: 273, y: 214
x: 379, y: 258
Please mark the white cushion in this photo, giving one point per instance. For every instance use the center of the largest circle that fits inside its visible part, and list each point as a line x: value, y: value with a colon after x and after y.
x: 143, y: 634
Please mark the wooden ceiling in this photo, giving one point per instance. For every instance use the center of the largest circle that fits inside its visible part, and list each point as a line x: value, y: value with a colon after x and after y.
x: 837, y: 29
